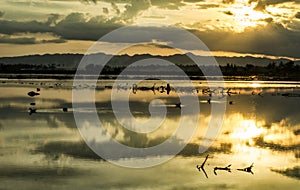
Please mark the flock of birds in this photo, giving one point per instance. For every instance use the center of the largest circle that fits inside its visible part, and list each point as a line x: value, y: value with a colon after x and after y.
x: 221, y: 92
x: 33, y: 109
x: 227, y: 168
x: 217, y: 92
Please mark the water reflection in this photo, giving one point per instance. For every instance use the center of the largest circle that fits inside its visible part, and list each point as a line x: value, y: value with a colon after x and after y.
x: 261, y: 125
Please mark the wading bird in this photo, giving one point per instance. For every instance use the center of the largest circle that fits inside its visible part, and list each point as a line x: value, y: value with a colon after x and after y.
x: 32, y: 94
x: 247, y: 169
x: 202, y: 167
x: 227, y: 168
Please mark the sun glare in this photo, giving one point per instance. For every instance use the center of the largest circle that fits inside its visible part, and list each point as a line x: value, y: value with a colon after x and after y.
x: 247, y: 130
x: 245, y: 16
x: 255, y: 85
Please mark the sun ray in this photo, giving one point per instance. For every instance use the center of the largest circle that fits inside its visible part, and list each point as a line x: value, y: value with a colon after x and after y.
x: 244, y: 15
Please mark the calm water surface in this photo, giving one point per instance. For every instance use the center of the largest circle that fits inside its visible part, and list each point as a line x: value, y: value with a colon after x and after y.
x: 45, y: 150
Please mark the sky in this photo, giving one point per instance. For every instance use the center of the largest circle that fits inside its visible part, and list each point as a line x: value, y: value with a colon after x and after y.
x: 261, y: 28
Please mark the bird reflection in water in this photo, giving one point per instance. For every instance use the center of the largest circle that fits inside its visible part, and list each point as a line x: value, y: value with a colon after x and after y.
x: 247, y: 169
x: 201, y: 167
x: 227, y: 168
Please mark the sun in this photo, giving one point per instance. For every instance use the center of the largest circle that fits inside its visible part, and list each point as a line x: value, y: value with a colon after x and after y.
x: 245, y: 16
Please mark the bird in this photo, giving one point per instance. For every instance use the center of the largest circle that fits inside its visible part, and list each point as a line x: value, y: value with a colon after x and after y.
x: 208, y: 101
x: 168, y: 88
x: 32, y: 94
x: 32, y: 110
x: 201, y: 168
x: 153, y: 88
x: 178, y: 105
x: 227, y: 168
x: 247, y: 169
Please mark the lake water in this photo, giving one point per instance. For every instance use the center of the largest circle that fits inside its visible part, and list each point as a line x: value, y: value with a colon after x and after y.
x: 45, y: 150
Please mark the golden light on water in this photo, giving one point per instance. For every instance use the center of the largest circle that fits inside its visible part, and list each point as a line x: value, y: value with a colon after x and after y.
x: 255, y: 85
x: 247, y: 129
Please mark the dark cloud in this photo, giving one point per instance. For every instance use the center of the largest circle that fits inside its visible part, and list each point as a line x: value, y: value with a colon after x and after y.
x: 193, y: 1
x: 259, y: 141
x: 262, y: 4
x: 74, y: 149
x: 5, y: 39
x: 297, y: 132
x: 272, y: 39
x: 115, y: 7
x: 297, y: 15
x: 12, y: 27
x: 134, y: 8
x: 228, y: 13
x: 75, y: 26
x: 53, y: 41
x: 228, y: 1
x: 105, y: 10
x: 207, y: 6
x: 268, y: 20
x: 52, y: 173
x: 89, y: 1
x: 32, y: 40
x: 289, y: 172
x: 52, y: 19
x: 81, y: 149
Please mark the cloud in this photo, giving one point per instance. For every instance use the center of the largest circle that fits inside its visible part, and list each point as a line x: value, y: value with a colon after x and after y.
x: 259, y: 141
x: 88, y: 1
x: 82, y: 150
x: 27, y: 40
x: 52, y: 173
x: 6, y: 39
x: 272, y: 39
x: 228, y: 13
x: 134, y: 8
x: 115, y: 7
x: 105, y: 10
x: 207, y: 6
x: 193, y: 1
x: 297, y: 132
x: 52, y: 19
x: 171, y: 4
x: 268, y: 20
x: 262, y: 4
x: 12, y: 27
x: 75, y: 26
x: 228, y: 1
x: 289, y: 172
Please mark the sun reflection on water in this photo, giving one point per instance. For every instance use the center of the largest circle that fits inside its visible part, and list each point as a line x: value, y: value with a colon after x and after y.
x: 247, y: 129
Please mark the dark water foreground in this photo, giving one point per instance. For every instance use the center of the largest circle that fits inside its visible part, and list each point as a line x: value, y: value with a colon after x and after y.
x: 44, y: 150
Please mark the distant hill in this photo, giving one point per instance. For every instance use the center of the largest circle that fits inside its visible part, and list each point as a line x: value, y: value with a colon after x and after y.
x: 70, y: 61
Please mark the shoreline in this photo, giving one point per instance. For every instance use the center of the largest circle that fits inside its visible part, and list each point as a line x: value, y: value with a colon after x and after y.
x: 138, y: 77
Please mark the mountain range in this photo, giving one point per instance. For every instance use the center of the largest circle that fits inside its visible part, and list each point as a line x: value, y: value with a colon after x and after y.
x: 71, y: 61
